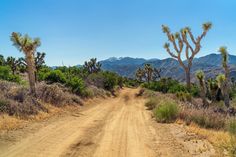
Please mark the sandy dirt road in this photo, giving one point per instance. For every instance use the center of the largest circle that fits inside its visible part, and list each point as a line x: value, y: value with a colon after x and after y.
x: 115, y: 127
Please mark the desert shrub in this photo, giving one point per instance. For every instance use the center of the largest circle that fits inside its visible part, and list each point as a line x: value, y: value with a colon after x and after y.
x: 30, y: 106
x: 96, y: 79
x: 96, y: 92
x: 42, y: 73
x: 182, y: 96
x: 166, y: 112
x: 165, y: 85
x: 231, y: 127
x: 151, y: 103
x: 129, y: 82
x: 111, y: 80
x: 4, y: 105
x: 55, y: 76
x: 149, y: 93
x: 76, y: 84
x: 5, y: 74
x: 203, y: 118
x: 168, y: 85
x: 56, y: 95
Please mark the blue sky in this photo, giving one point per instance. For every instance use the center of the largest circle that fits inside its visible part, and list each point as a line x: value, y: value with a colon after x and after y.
x: 73, y: 31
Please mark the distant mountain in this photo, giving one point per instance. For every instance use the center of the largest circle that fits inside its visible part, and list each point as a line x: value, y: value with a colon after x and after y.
x: 210, y: 64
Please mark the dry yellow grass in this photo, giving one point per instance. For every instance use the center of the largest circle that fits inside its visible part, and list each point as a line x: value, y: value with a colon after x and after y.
x: 10, y: 122
x: 221, y: 140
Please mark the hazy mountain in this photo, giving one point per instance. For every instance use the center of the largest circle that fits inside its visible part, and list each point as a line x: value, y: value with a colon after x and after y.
x: 210, y: 64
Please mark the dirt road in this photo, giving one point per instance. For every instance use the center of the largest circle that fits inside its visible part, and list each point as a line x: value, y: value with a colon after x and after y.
x: 116, y: 127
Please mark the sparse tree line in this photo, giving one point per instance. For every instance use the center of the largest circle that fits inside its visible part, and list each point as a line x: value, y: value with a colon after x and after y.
x: 77, y: 79
x: 148, y: 73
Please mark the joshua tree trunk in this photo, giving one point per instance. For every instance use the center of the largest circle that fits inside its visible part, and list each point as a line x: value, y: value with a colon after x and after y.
x: 31, y: 72
x: 188, y: 78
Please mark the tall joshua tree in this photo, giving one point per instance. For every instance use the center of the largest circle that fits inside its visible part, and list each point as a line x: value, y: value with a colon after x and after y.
x: 224, y: 82
x: 2, y: 60
x: 139, y: 74
x: 13, y: 64
x: 213, y: 89
x: 28, y: 46
x: 185, y: 41
x: 92, y: 66
x: 156, y: 73
x: 148, y: 72
x: 201, y: 78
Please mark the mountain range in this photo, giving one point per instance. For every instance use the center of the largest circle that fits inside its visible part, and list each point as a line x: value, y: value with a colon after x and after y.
x: 210, y: 64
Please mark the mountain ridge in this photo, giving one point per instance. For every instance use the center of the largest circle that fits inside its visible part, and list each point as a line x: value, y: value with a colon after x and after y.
x: 210, y: 64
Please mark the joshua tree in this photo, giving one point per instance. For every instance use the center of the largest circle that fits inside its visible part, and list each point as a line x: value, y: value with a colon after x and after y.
x: 39, y: 62
x: 92, y: 66
x: 182, y: 42
x: 148, y: 72
x: 28, y: 46
x: 156, y: 73
x: 139, y: 74
x: 213, y: 88
x: 13, y: 64
x: 201, y: 78
x: 2, y: 60
x: 224, y: 82
x: 221, y: 79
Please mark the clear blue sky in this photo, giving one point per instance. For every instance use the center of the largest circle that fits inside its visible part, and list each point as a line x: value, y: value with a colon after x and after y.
x: 73, y: 31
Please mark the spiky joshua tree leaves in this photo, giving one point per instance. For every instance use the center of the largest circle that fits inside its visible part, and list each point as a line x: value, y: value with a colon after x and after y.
x: 201, y: 79
x: 92, y: 66
x: 139, y: 74
x: 213, y: 89
x: 148, y: 72
x: 13, y: 63
x: 224, y: 80
x: 185, y: 42
x: 28, y: 46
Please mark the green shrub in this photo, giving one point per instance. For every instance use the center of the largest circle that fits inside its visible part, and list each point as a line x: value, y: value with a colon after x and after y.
x: 231, y: 127
x: 42, y: 73
x: 77, y: 85
x: 182, y: 96
x: 55, y: 76
x: 5, y: 74
x: 151, y: 103
x: 4, y: 105
x: 166, y: 112
x: 111, y: 80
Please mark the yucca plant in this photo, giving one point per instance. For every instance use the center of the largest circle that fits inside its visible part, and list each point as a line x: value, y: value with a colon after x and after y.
x: 213, y: 88
x: 149, y: 72
x: 13, y: 63
x: 28, y: 46
x: 221, y: 79
x: 181, y: 42
x: 139, y: 74
x: 201, y: 79
x: 226, y: 79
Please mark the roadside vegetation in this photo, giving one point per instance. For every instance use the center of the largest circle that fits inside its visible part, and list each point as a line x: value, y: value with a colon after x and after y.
x: 208, y: 103
x: 27, y: 83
